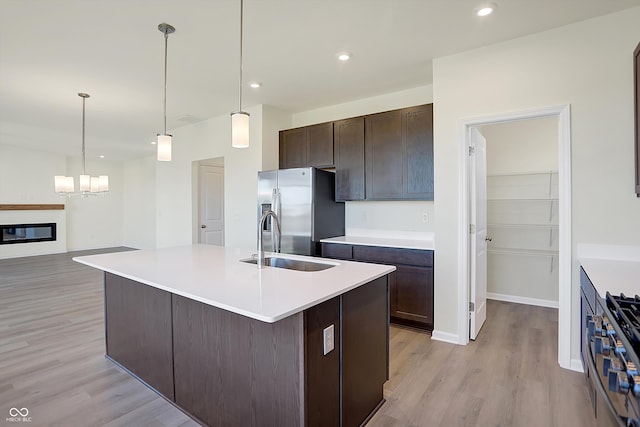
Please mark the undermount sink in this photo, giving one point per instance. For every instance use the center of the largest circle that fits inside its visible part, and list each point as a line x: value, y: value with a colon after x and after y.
x: 291, y: 264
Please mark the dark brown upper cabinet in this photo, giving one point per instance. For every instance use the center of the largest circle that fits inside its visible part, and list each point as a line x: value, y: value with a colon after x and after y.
x: 636, y: 102
x: 348, y: 138
x: 384, y: 155
x: 307, y: 146
x: 417, y: 136
x: 399, y: 154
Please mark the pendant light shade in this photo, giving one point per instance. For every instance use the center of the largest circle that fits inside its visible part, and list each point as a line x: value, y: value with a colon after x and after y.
x: 64, y: 184
x: 89, y: 185
x: 85, y: 182
x: 240, y: 129
x: 240, y: 119
x: 164, y: 139
x: 164, y: 148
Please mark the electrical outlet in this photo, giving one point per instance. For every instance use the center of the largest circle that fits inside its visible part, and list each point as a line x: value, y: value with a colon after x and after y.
x: 425, y: 217
x: 328, y: 339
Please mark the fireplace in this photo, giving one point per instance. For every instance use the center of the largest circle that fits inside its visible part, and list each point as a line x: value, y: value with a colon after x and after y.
x: 27, y: 233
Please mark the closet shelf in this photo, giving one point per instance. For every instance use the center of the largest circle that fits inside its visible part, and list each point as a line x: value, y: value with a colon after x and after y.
x: 520, y: 251
x: 522, y: 225
x: 522, y: 174
x: 523, y: 199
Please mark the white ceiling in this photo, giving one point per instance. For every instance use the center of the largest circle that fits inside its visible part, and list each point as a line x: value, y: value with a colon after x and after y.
x: 52, y: 49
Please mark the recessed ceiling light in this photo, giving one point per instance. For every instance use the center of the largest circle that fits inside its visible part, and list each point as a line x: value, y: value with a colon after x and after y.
x: 102, y: 156
x: 486, y: 10
x: 255, y: 85
x: 344, y: 56
x: 153, y: 142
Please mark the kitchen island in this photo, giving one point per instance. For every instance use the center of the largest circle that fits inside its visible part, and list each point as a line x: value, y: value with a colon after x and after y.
x: 231, y: 344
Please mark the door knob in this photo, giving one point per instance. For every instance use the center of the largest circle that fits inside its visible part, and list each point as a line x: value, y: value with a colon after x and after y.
x: 203, y: 226
x: 488, y: 239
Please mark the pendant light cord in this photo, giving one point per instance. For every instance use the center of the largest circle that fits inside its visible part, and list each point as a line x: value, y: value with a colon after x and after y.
x: 240, y: 82
x: 84, y: 170
x: 166, y: 41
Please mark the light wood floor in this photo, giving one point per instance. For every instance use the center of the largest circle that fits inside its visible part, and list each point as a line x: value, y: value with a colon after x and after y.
x: 52, y: 363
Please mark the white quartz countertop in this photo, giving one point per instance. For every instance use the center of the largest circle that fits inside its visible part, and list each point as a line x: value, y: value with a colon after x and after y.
x: 214, y: 275
x: 389, y: 242
x: 613, y: 276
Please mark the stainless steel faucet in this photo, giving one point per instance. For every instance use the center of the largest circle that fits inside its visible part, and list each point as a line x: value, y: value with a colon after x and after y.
x: 276, y: 242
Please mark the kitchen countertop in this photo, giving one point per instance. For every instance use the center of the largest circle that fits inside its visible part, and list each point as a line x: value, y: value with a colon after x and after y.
x: 426, y: 244
x: 613, y: 276
x: 214, y: 275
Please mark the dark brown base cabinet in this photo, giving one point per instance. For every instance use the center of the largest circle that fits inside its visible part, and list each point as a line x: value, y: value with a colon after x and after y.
x: 225, y: 369
x: 411, y: 285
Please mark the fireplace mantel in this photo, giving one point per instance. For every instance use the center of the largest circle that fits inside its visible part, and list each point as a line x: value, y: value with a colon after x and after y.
x: 34, y: 207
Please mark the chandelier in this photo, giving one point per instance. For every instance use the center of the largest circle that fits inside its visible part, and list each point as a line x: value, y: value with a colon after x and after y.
x: 89, y: 185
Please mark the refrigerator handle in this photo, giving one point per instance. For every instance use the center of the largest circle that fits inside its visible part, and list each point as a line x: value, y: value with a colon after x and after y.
x: 275, y: 204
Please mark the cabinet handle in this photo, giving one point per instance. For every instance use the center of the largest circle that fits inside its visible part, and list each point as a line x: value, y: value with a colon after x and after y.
x: 488, y: 239
x: 203, y: 226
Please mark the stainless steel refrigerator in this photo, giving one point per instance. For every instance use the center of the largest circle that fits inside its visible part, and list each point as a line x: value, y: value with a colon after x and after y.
x: 304, y: 201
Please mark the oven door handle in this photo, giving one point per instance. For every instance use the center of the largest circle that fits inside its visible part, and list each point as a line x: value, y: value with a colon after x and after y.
x: 601, y: 390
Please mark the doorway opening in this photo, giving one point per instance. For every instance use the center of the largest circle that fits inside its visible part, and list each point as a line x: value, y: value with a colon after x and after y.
x: 522, y: 211
x: 552, y: 187
x: 210, y: 201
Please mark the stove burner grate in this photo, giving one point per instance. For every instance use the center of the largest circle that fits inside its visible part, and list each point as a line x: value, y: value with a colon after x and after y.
x: 626, y: 311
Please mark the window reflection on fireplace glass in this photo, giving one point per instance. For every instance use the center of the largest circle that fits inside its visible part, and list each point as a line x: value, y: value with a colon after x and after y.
x: 24, y: 233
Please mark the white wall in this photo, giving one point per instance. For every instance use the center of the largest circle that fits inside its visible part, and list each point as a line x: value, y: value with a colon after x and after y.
x: 175, y: 187
x: 372, y: 217
x: 95, y: 221
x: 26, y: 177
x: 522, y: 146
x: 588, y: 65
x: 515, y: 271
x: 139, y: 203
x: 273, y: 120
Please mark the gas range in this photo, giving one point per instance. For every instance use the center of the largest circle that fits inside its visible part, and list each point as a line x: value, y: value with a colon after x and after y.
x: 614, y: 340
x: 626, y: 312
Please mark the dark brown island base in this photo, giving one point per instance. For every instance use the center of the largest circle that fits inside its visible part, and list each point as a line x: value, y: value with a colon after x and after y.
x: 228, y: 369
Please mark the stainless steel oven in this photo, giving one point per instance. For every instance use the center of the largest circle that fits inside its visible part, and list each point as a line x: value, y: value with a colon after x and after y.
x: 612, y: 344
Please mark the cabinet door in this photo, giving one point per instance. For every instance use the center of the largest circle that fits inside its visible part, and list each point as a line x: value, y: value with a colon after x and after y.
x: 337, y: 251
x: 322, y: 371
x: 365, y: 351
x: 414, y: 295
x: 348, y: 138
x: 293, y: 148
x: 417, y: 136
x: 384, y: 155
x: 138, y: 331
x: 320, y: 145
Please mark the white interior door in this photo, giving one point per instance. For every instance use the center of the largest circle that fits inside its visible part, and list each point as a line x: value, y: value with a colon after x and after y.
x: 478, y: 232
x: 211, y: 201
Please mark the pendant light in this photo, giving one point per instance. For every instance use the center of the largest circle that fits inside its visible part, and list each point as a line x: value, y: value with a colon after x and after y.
x: 89, y: 185
x: 240, y: 119
x: 164, y: 140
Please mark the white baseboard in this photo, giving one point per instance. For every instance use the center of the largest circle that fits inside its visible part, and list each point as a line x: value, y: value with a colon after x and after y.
x: 445, y: 337
x: 576, y: 365
x: 523, y: 300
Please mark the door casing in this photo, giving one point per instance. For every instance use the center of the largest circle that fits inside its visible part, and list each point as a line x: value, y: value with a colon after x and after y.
x: 563, y: 115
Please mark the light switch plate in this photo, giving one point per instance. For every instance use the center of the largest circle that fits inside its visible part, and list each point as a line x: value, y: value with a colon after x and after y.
x: 328, y: 335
